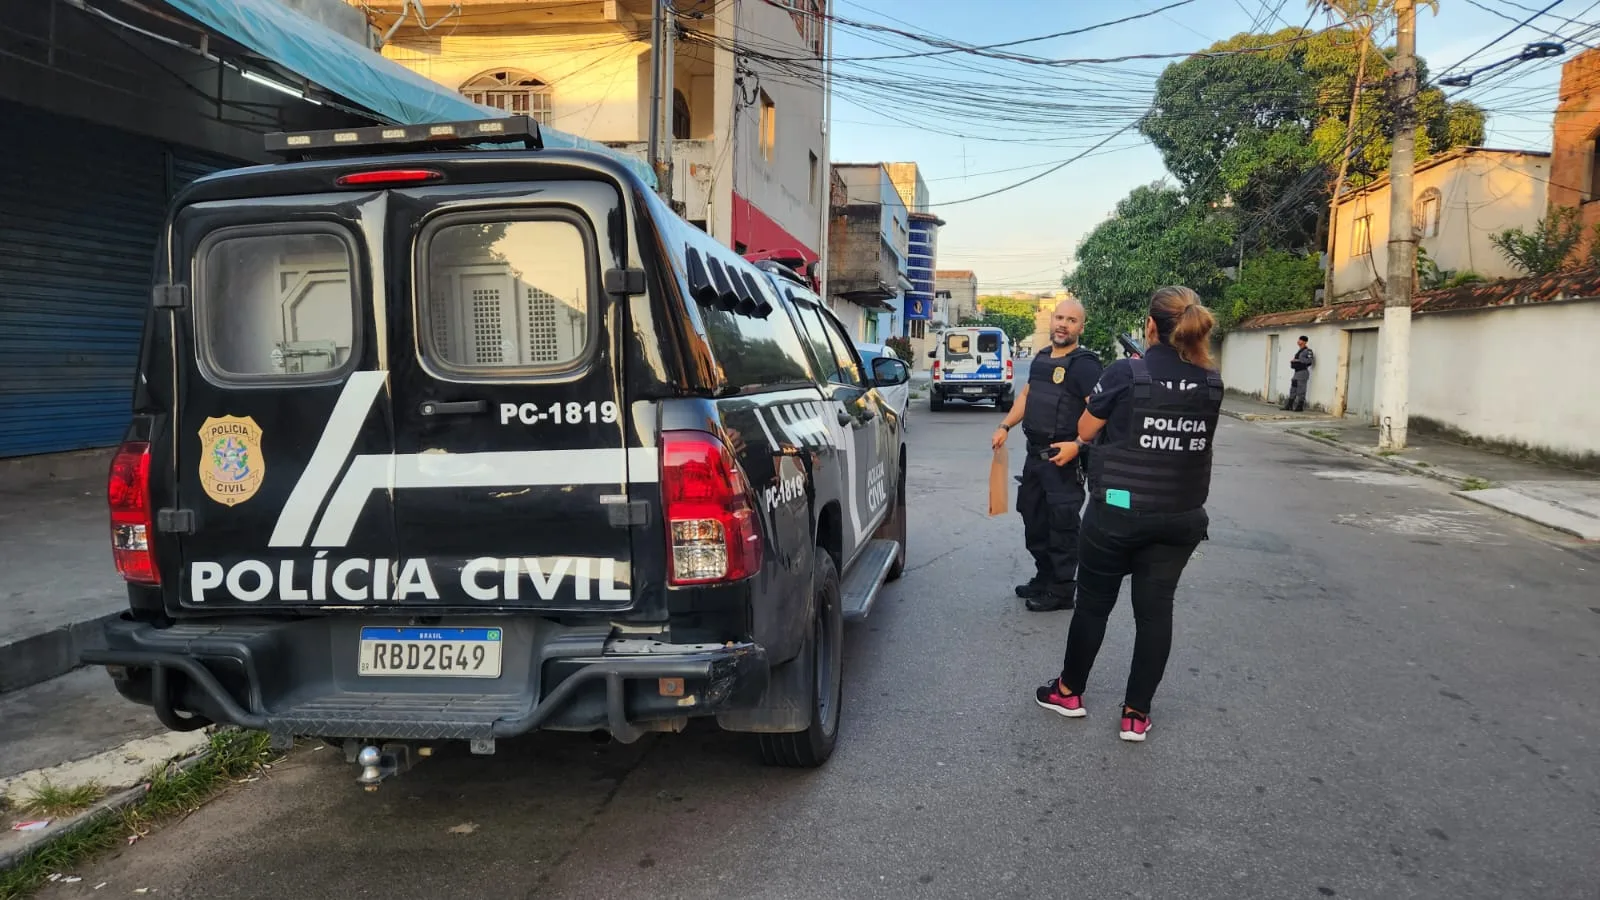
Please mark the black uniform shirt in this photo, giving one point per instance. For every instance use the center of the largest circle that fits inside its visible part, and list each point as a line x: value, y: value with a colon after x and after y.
x: 1053, y: 406
x: 1110, y: 398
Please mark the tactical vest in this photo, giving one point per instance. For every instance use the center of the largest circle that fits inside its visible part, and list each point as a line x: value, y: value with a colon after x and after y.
x: 1051, y: 411
x: 1163, y: 464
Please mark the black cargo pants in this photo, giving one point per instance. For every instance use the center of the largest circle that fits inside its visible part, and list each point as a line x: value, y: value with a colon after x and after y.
x: 1049, y: 500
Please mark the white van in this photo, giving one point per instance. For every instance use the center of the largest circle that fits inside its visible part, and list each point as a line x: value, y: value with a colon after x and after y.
x: 972, y: 363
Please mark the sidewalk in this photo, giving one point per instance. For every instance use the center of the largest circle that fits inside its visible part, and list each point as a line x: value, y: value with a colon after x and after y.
x: 60, y: 582
x: 1567, y: 500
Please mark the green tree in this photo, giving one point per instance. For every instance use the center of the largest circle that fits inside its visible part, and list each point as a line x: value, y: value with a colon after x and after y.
x: 1264, y: 130
x: 1015, y: 326
x: 1546, y: 248
x: 1272, y: 281
x: 1155, y: 237
x: 1015, y: 306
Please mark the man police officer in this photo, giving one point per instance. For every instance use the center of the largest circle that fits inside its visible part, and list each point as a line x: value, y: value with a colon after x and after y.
x: 1303, y: 360
x: 1050, y: 497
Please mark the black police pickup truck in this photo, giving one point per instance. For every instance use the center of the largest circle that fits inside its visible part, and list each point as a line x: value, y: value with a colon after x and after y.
x: 437, y: 441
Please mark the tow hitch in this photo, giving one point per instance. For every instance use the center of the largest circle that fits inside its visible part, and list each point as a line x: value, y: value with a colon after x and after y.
x: 381, y: 762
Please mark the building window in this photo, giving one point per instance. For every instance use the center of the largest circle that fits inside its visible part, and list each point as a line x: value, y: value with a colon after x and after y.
x: 919, y: 328
x: 769, y: 128
x: 1361, y: 240
x: 815, y: 182
x: 680, y: 116
x: 1594, y: 165
x: 1428, y: 213
x: 517, y: 93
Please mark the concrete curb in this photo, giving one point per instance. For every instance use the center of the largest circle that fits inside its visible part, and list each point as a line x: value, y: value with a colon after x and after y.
x: 113, y: 804
x: 40, y: 657
x: 1453, y: 477
x: 1269, y: 417
x: 1448, y: 476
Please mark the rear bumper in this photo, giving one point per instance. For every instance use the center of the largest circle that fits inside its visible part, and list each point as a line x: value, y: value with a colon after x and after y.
x: 975, y: 389
x: 299, y: 678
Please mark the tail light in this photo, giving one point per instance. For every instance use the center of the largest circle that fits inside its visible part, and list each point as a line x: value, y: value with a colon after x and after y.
x: 1009, y: 370
x: 131, y: 518
x: 936, y: 373
x: 712, y: 531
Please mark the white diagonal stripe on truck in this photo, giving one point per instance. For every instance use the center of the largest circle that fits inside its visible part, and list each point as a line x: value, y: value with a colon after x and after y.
x: 510, y: 469
x: 333, y: 448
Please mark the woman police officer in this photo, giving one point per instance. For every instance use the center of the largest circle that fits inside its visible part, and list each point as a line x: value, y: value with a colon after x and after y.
x: 1149, y: 477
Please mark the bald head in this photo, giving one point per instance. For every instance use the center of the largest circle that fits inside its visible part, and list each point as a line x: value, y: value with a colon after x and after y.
x: 1066, y: 324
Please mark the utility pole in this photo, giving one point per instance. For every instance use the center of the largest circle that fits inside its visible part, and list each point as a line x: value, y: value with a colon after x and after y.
x: 667, y: 61
x: 663, y: 29
x: 1394, y: 343
x: 653, y: 151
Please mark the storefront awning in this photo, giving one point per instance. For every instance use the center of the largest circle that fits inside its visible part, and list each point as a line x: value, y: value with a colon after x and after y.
x: 343, y: 67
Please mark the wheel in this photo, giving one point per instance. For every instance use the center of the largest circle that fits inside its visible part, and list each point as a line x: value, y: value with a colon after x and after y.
x: 811, y: 748
x: 1005, y: 403
x: 896, y: 527
x: 935, y: 402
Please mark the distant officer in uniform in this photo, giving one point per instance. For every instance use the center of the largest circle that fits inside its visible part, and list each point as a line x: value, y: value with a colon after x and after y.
x: 1149, y: 478
x: 1303, y: 360
x: 1050, y: 496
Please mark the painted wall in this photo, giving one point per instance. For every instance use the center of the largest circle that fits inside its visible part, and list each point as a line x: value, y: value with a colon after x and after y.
x: 1480, y: 193
x: 594, y: 76
x: 783, y: 188
x: 1515, y: 374
x: 599, y: 78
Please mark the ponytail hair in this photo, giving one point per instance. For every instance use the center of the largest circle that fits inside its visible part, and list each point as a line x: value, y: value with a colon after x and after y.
x: 1183, y: 323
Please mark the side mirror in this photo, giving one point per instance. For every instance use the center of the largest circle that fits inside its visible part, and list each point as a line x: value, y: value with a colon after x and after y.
x: 888, y: 372
x: 933, y: 354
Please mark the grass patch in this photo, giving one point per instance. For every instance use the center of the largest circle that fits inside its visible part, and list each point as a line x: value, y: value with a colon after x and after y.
x: 1475, y: 484
x: 1422, y: 465
x: 171, y: 793
x: 1388, y: 453
x: 1324, y: 433
x: 51, y: 802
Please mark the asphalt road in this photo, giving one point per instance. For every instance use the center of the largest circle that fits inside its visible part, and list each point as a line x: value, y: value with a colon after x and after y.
x: 1377, y: 690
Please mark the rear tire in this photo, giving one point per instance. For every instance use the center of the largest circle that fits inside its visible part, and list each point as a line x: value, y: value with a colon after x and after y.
x: 1005, y: 403
x: 935, y: 401
x: 811, y: 748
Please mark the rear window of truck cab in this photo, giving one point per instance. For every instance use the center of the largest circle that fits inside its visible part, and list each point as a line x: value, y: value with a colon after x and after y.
x: 275, y: 303
x: 505, y: 296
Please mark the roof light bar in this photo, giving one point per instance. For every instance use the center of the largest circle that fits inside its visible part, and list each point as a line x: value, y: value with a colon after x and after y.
x: 383, y: 138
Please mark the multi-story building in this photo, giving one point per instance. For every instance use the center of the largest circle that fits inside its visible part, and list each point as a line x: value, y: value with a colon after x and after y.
x: 1575, y: 159
x: 869, y: 238
x: 917, y: 306
x: 955, y: 293
x: 1462, y: 197
x: 748, y: 150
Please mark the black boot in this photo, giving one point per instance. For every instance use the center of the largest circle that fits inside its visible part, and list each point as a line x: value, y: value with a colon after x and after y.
x: 1033, y: 588
x: 1054, y: 598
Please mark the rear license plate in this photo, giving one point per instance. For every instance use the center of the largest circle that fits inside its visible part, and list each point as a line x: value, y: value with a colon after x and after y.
x: 972, y: 390
x: 431, y: 652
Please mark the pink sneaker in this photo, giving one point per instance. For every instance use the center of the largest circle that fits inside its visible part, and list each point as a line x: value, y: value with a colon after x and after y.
x: 1134, y: 725
x: 1050, y: 697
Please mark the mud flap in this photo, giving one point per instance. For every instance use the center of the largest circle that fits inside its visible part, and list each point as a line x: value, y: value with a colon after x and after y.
x: 785, y: 706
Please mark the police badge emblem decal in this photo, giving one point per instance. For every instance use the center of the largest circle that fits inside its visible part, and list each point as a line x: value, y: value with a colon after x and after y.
x: 231, y: 463
x: 1059, y: 375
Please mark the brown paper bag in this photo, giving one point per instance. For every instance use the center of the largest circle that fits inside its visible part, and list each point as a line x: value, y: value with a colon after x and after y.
x: 998, y: 482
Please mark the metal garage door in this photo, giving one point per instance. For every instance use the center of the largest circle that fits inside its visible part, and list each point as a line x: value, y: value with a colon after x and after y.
x: 1361, y: 395
x: 82, y: 207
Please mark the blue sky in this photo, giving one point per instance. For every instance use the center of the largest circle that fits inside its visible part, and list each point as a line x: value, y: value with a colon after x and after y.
x: 1023, y: 239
